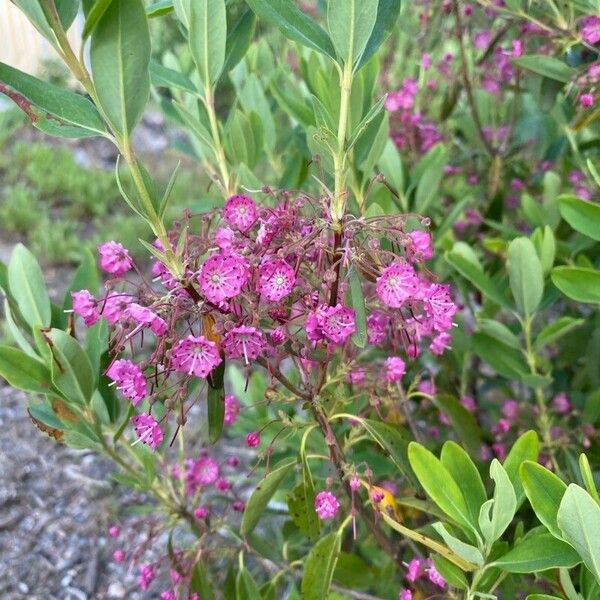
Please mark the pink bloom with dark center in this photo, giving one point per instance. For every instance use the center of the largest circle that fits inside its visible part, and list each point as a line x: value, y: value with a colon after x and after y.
x: 222, y: 484
x: 394, y: 369
x: 232, y: 407
x: 222, y: 277
x: 337, y: 323
x: 114, y: 306
x: 86, y: 306
x: 326, y: 505
x: 240, y: 211
x: 195, y: 356
x: 244, y: 341
x: 238, y: 506
x: 439, y: 306
x: 276, y: 280
x: 377, y: 324
x: 314, y: 323
x: 147, y: 430
x: 421, y: 244
x: 233, y: 461
x: 253, y: 439
x: 396, y: 284
x: 129, y: 379
x: 114, y: 258
x: 143, y: 315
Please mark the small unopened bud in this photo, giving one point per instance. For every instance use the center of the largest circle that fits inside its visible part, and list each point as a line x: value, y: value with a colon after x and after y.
x: 253, y: 439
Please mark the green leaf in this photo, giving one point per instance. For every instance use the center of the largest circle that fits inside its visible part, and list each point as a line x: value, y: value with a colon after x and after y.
x: 463, y: 260
x: 208, y: 38
x: 265, y: 490
x: 547, y: 66
x: 588, y: 477
x: 527, y: 447
x: 27, y: 287
x: 24, y: 372
x: 539, y: 551
x: 388, y: 12
x: 294, y: 24
x: 505, y: 360
x: 463, y: 422
x: 450, y: 572
x: 159, y: 8
x: 302, y: 511
x: 542, y: 597
x: 319, y: 567
x: 463, y: 469
x: 68, y: 107
x: 201, y: 582
x: 162, y: 76
x: 215, y: 402
x: 500, y: 332
x: 525, y: 274
x: 34, y: 10
x: 544, y: 490
x: 395, y: 442
x: 245, y: 586
x: 581, y: 215
x: 428, y: 184
x: 462, y: 549
x: 578, y: 283
x: 119, y: 56
x: 71, y: 368
x: 439, y: 484
x: 350, y: 24
x: 556, y: 330
x: 579, y: 522
x: 93, y: 16
x: 86, y: 277
x: 359, y: 337
x: 503, y: 505
x: 238, y: 40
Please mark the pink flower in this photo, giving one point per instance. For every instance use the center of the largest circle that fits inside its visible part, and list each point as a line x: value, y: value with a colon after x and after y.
x: 114, y: 306
x: 118, y: 556
x: 143, y: 315
x: 434, y: 576
x: 201, y: 512
x: 232, y: 407
x: 238, y: 506
x: 510, y: 409
x: 114, y: 531
x: 85, y: 305
x: 147, y: 430
x: 414, y: 570
x: 396, y: 284
x: 421, y: 244
x: 482, y: 40
x: 200, y: 473
x: 167, y: 595
x: 146, y: 576
x: 225, y: 238
x: 439, y: 306
x: 590, y: 29
x: 114, y: 258
x: 222, y: 484
x: 253, y: 439
x: 440, y: 344
x: 377, y: 324
x: 233, y: 461
x: 195, y: 356
x: 276, y: 280
x: 354, y: 483
x: 222, y: 277
x: 240, y: 211
x: 326, y: 505
x: 244, y: 341
x: 394, y: 369
x: 337, y: 323
x: 469, y: 403
x: 356, y: 376
x: 129, y: 379
x: 586, y: 100
x: 561, y: 404
x: 405, y: 594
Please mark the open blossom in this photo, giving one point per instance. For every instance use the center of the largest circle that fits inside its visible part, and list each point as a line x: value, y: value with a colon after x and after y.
x: 414, y: 570
x: 326, y: 505
x: 114, y: 258
x: 240, y: 211
x: 434, y: 576
x: 195, y: 356
x: 590, y: 29
x: 86, y: 306
x: 146, y: 316
x: 129, y: 379
x: 421, y: 243
x: 396, y: 284
x: 337, y: 323
x: 394, y: 369
x: 232, y: 407
x: 276, y: 280
x: 222, y: 277
x: 114, y: 306
x: 377, y: 324
x: 200, y: 473
x: 440, y: 344
x: 147, y: 430
x: 244, y: 341
x: 439, y: 306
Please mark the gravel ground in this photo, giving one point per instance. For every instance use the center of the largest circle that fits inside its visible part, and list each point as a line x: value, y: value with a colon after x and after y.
x: 55, y: 507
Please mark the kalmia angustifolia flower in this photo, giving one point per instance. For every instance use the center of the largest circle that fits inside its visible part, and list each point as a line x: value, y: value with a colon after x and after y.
x: 195, y: 356
x: 326, y: 505
x: 114, y: 259
x: 147, y: 430
x: 129, y: 380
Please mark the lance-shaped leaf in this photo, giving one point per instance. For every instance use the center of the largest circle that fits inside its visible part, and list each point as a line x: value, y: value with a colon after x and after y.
x: 387, y: 17
x: 581, y: 215
x: 68, y: 107
x: 238, y: 40
x: 208, y: 38
x: 24, y: 372
x: 525, y: 274
x: 119, y: 56
x: 320, y: 566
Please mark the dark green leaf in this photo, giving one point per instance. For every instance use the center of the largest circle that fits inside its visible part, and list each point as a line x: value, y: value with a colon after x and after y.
x: 547, y: 66
x: 463, y: 422
x: 159, y: 9
x: 319, y: 567
x: 215, y: 401
x: 162, y: 76
x: 387, y: 17
x: 94, y: 15
x: 555, y: 330
x: 359, y: 337
x: 506, y: 361
x: 238, y: 40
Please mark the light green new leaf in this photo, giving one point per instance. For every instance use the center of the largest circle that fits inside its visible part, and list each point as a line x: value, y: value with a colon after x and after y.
x: 208, y: 38
x: 547, y: 66
x: 527, y: 447
x: 262, y: 494
x: 119, y: 56
x: 439, y: 484
x: 578, y: 283
x: 504, y: 503
x: 505, y: 360
x: 27, y: 287
x: 579, y: 522
x: 319, y: 567
x: 544, y: 490
x: 350, y: 24
x: 525, y: 274
x: 71, y: 368
x: 246, y: 587
x: 538, y: 552
x: 295, y: 24
x: 462, y: 549
x: 66, y: 106
x: 24, y: 372
x: 581, y: 215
